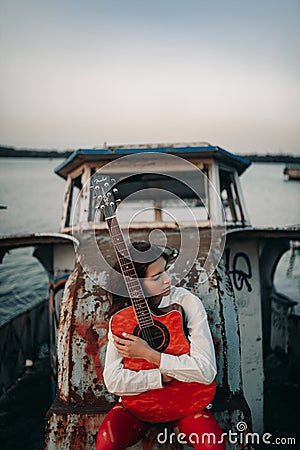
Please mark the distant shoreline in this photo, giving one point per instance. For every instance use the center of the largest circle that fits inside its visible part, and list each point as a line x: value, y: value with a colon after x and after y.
x: 10, y: 152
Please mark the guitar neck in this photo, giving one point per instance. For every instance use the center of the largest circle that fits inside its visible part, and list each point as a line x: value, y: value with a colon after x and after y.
x: 131, y: 279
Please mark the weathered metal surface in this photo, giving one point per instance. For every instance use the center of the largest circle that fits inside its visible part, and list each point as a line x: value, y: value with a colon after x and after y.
x: 68, y: 429
x: 33, y: 240
x: 252, y: 256
x: 281, y: 309
x: 247, y: 292
x: 82, y: 336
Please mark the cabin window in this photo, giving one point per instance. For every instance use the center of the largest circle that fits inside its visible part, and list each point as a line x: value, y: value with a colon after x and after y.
x: 72, y: 216
x: 152, y: 197
x: 230, y: 197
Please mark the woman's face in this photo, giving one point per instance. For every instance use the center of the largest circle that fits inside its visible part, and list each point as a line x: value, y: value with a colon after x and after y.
x: 157, y: 282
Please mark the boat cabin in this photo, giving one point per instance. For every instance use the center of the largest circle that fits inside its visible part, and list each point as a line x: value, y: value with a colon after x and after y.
x: 150, y: 177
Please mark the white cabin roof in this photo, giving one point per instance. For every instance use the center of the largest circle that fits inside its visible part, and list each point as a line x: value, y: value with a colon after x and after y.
x: 188, y: 151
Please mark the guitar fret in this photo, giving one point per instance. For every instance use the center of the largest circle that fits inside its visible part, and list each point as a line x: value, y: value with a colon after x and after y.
x: 129, y: 271
x: 142, y: 309
x: 145, y: 324
x: 135, y: 293
x: 132, y: 284
x: 124, y: 258
x: 119, y: 242
x: 145, y: 319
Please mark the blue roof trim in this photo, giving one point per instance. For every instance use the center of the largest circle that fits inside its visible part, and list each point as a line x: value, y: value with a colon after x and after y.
x: 164, y: 149
x: 236, y: 157
x: 66, y: 162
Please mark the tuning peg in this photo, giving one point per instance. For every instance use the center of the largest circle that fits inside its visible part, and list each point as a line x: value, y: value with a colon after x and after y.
x: 118, y: 200
x: 115, y: 190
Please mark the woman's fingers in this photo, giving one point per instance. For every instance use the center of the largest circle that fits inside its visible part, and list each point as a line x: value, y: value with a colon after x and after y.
x: 130, y: 345
x: 127, y: 337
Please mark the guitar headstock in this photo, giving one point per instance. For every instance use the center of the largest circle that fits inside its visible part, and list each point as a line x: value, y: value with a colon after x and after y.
x: 104, y: 194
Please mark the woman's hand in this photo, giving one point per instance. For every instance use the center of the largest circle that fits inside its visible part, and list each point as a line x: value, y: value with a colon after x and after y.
x: 166, y: 378
x: 130, y: 346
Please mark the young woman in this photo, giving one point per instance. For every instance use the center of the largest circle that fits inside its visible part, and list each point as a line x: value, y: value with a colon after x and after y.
x: 120, y: 428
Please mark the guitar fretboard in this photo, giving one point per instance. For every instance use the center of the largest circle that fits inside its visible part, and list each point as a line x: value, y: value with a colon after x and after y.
x: 131, y: 279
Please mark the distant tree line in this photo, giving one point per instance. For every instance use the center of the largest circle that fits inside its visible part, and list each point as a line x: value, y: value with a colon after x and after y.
x: 12, y: 152
x: 280, y: 158
x: 27, y: 153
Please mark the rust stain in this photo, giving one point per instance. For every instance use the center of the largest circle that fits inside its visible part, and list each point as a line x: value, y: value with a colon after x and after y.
x: 94, y: 343
x: 78, y: 438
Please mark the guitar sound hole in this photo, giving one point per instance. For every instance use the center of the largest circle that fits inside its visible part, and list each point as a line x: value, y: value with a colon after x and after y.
x: 156, y: 335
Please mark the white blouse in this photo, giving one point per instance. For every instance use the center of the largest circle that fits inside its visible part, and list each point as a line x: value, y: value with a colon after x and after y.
x: 198, y: 366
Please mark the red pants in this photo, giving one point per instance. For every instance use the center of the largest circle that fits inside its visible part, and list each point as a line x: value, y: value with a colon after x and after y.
x: 121, y: 429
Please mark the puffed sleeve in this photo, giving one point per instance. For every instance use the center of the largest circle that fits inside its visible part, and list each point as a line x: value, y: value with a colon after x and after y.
x: 122, y: 381
x: 200, y: 364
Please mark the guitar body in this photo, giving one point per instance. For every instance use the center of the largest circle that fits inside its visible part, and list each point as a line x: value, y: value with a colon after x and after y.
x: 176, y: 399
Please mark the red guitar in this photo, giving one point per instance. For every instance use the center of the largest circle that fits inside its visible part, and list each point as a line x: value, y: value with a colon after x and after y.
x: 162, y: 329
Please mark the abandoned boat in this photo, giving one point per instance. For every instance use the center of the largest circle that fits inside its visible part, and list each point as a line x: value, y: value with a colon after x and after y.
x: 175, y: 195
x: 292, y: 171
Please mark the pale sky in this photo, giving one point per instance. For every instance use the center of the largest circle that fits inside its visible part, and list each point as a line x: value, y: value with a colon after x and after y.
x: 78, y: 73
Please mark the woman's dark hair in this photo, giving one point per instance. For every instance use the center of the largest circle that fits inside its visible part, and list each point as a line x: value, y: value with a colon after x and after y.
x: 152, y: 254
